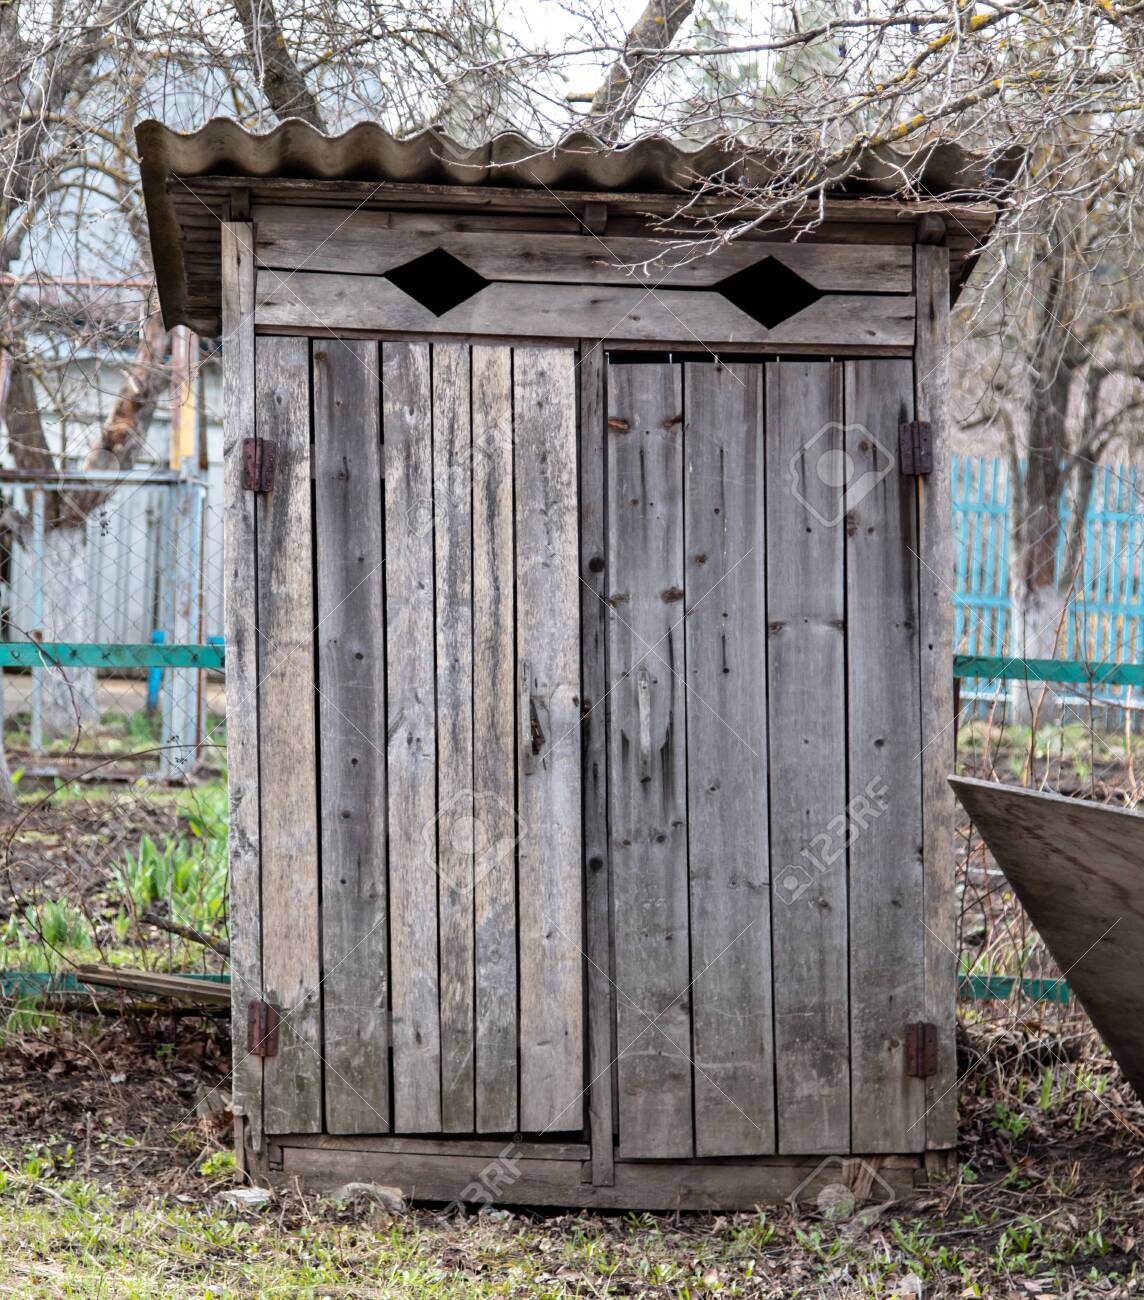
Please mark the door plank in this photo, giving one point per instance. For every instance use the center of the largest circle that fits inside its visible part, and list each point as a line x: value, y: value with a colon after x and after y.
x: 887, y: 951
x: 351, y: 710
x: 647, y: 759
x: 806, y: 653
x: 452, y: 503
x: 494, y: 743
x: 548, y: 669
x: 411, y: 728
x: 594, y: 761
x: 287, y: 755
x: 728, y: 861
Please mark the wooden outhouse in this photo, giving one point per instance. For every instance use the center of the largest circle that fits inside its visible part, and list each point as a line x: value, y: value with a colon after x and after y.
x: 588, y: 660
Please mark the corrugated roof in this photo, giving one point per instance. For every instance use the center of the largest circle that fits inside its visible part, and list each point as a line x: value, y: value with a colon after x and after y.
x: 579, y: 161
x: 186, y: 258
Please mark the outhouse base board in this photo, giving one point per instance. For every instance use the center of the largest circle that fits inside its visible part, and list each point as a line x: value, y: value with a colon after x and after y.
x: 506, y: 1173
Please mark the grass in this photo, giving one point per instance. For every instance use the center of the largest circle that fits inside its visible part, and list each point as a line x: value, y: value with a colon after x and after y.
x: 63, y: 1235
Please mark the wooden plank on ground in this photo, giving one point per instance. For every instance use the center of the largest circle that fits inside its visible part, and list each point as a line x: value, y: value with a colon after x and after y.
x: 887, y: 950
x: 288, y: 758
x: 1075, y: 867
x: 548, y: 801
x: 728, y: 862
x: 244, y: 906
x: 494, y: 744
x: 351, y: 712
x: 647, y: 763
x: 452, y: 506
x: 411, y: 730
x: 806, y: 662
x: 372, y: 303
x: 935, y: 611
x: 594, y: 764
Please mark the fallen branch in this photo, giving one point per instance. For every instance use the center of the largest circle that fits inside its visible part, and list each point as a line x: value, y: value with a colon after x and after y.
x: 186, y: 932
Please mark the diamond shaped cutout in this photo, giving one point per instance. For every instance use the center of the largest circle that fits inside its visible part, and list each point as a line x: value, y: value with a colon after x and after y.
x: 437, y: 280
x: 768, y: 292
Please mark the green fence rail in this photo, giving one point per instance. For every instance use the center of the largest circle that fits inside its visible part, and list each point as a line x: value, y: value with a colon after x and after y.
x: 82, y: 654
x: 1003, y: 668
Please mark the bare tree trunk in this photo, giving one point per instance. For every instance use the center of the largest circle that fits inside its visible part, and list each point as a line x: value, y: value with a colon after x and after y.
x: 1039, y: 596
x: 70, y: 699
x: 615, y: 101
x: 282, y: 83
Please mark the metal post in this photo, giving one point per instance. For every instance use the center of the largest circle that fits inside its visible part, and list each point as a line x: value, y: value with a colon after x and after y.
x: 179, y: 702
x: 36, y: 731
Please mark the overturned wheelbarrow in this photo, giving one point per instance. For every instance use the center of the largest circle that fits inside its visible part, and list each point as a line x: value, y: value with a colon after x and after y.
x: 1078, y: 869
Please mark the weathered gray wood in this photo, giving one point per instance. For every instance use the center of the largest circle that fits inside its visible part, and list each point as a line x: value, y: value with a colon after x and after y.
x: 728, y: 862
x: 292, y: 1079
x: 666, y: 1186
x: 935, y: 612
x: 494, y: 743
x: 364, y: 302
x: 452, y: 1144
x: 365, y: 243
x: 351, y: 711
x: 647, y: 765
x: 1075, y: 866
x: 548, y: 798
x: 452, y: 532
x: 806, y: 662
x: 411, y: 729
x: 244, y: 904
x: 887, y: 954
x: 594, y: 759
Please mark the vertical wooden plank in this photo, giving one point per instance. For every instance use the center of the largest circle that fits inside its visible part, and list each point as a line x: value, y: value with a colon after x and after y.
x: 806, y: 723
x: 728, y: 860
x: 887, y: 956
x: 291, y: 956
x: 411, y: 729
x: 938, y: 730
x: 647, y: 764
x: 548, y: 798
x: 452, y: 531
x: 351, y: 712
x: 240, y: 605
x: 494, y: 743
x: 594, y: 760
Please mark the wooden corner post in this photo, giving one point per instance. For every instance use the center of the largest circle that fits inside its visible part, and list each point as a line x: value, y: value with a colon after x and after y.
x: 938, y: 731
x: 244, y: 910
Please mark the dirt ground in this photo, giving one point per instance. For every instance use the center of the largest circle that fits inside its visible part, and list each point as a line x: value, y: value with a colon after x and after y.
x: 105, y: 1125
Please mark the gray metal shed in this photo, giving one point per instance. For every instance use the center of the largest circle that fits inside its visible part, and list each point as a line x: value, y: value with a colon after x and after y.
x: 588, y: 650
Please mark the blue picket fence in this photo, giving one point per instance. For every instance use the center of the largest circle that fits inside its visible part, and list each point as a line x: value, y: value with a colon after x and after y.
x: 1105, y: 618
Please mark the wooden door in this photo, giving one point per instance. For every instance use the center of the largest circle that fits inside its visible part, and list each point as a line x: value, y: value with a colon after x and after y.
x: 764, y: 794
x: 419, y: 757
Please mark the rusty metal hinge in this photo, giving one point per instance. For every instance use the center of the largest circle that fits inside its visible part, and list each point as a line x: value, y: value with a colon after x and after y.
x: 915, y: 447
x: 921, y: 1050
x: 262, y: 1021
x: 258, y: 457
